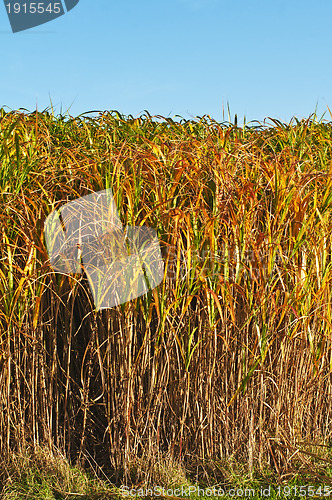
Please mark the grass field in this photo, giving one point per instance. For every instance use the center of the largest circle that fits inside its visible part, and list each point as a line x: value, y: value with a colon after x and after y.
x: 228, y: 361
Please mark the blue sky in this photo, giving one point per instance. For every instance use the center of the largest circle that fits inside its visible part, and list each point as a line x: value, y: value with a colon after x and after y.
x: 175, y: 57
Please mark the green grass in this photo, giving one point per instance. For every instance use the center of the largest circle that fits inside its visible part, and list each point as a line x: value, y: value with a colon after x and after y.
x: 48, y: 476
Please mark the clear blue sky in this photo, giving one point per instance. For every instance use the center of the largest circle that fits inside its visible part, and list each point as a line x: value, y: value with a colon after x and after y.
x: 174, y: 57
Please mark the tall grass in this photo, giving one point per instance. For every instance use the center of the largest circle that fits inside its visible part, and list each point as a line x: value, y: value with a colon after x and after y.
x: 230, y: 356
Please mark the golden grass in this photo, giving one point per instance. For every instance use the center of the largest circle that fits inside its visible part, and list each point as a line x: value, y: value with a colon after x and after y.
x: 231, y: 354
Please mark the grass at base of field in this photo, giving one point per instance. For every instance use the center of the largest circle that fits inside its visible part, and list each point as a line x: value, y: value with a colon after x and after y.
x: 45, y: 475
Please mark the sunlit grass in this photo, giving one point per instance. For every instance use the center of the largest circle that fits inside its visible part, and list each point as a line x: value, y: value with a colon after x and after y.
x: 231, y: 354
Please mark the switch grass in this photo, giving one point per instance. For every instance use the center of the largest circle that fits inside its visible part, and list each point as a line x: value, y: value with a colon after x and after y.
x: 230, y: 356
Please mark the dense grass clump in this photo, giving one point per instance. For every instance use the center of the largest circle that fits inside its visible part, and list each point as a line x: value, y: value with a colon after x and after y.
x: 230, y: 356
